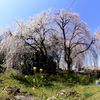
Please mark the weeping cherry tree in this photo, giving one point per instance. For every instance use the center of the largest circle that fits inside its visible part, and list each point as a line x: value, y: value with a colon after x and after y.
x: 75, y: 37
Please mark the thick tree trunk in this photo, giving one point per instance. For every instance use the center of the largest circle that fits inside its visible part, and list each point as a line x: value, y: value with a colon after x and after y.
x: 69, y: 67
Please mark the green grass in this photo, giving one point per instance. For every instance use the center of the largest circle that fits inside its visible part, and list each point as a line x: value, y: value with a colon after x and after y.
x: 49, y: 86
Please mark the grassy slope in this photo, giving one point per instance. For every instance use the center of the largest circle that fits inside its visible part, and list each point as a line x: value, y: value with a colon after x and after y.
x: 88, y: 92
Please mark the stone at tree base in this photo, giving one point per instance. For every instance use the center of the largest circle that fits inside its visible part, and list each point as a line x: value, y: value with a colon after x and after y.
x: 2, y: 69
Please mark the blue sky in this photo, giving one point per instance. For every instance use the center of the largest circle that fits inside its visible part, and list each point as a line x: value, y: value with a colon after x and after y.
x: 89, y: 10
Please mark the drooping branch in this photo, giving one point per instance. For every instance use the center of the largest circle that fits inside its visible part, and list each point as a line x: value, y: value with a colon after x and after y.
x: 84, y: 49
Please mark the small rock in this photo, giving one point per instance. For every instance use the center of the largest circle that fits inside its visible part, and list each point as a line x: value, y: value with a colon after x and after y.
x: 21, y: 97
x: 50, y: 99
x: 62, y: 91
x: 11, y: 89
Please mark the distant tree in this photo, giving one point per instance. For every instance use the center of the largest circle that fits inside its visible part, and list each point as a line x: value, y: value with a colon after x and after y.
x: 97, y: 38
x: 75, y: 37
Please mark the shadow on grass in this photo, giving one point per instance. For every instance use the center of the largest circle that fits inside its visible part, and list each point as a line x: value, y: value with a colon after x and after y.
x: 21, y: 79
x: 1, y: 80
x: 87, y: 95
x: 29, y: 83
x: 50, y: 80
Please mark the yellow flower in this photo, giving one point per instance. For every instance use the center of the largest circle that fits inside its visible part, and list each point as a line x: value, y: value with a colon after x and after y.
x: 34, y: 68
x: 4, y: 87
x: 61, y: 93
x: 22, y: 63
x: 41, y: 69
x: 7, y: 92
x: 33, y: 88
x: 42, y: 76
x: 25, y: 76
x: 33, y: 80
